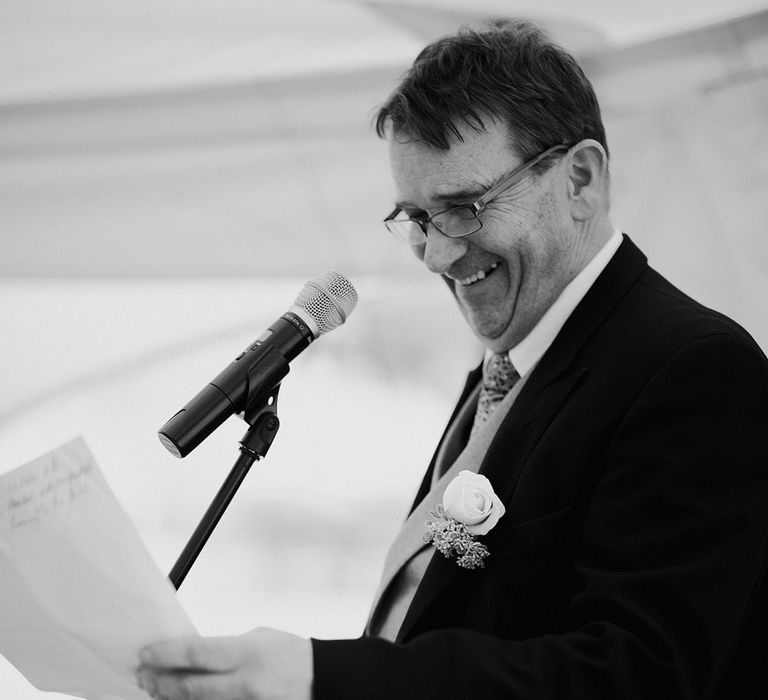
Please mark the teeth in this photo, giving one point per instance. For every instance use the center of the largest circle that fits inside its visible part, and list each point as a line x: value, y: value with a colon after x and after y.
x: 477, y: 276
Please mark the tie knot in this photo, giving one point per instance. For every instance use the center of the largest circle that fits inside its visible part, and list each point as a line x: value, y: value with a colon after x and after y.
x: 499, y: 376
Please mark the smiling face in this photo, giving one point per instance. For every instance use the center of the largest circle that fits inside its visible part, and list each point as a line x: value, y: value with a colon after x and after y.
x: 509, y: 273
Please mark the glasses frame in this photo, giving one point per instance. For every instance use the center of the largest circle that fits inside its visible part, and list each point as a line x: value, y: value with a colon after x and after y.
x: 479, y: 204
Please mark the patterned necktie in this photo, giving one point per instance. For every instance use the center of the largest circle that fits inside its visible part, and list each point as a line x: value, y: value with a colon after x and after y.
x: 499, y: 376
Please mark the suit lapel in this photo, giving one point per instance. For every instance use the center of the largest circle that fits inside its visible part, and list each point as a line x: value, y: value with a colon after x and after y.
x: 426, y: 484
x: 550, y: 384
x: 410, y: 539
x: 505, y: 459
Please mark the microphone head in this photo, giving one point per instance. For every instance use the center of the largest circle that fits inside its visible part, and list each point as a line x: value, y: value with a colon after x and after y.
x: 325, y: 302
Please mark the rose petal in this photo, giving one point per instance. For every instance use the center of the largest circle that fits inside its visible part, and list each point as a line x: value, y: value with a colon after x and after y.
x: 483, y: 528
x: 469, y: 498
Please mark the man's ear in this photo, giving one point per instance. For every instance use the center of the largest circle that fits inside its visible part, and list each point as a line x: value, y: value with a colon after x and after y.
x: 587, y: 179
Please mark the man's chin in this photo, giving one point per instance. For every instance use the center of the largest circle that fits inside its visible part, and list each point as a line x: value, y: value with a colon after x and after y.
x: 497, y: 337
x: 494, y: 333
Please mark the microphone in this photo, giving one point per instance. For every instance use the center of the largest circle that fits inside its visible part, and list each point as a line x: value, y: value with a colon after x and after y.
x: 322, y: 305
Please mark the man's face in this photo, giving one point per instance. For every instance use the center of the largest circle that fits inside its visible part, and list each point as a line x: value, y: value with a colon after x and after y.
x: 509, y: 273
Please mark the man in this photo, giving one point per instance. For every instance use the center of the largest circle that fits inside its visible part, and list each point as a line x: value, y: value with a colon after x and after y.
x: 625, y: 433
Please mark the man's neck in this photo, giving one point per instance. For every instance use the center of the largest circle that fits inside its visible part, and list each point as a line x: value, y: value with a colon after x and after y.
x: 588, y: 241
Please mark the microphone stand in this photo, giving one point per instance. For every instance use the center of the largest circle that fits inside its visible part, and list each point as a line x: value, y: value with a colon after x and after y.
x: 264, y: 423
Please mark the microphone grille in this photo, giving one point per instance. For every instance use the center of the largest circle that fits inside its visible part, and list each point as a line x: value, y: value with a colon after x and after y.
x: 328, y: 300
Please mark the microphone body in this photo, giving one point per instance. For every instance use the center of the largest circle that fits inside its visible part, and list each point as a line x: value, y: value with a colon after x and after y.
x: 253, y: 375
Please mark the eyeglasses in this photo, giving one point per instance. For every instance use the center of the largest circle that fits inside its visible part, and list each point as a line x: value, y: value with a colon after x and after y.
x: 464, y: 220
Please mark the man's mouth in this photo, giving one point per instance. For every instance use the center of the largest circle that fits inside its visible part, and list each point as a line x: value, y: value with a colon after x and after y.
x: 476, y: 277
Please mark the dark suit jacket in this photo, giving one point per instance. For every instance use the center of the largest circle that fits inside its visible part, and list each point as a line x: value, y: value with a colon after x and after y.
x: 631, y: 560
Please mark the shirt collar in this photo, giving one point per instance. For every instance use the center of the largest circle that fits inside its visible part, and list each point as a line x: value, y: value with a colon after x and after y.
x: 530, y: 349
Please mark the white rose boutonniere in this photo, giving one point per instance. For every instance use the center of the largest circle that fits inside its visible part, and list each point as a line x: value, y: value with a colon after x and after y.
x: 470, y: 507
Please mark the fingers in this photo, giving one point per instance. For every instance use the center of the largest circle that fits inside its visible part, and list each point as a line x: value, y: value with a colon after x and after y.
x: 182, y: 685
x: 264, y: 663
x: 212, y: 654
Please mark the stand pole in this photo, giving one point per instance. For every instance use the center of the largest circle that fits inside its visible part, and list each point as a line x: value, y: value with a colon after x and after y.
x: 210, y: 519
x: 253, y: 446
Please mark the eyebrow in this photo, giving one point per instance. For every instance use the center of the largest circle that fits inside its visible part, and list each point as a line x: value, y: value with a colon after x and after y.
x: 465, y: 195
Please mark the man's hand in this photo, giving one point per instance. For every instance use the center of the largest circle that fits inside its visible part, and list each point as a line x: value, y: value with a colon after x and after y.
x: 263, y: 663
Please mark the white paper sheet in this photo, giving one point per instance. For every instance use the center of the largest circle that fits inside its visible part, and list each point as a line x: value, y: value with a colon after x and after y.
x: 79, y: 592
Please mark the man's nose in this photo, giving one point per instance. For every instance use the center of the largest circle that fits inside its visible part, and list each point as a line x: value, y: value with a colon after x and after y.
x: 441, y: 251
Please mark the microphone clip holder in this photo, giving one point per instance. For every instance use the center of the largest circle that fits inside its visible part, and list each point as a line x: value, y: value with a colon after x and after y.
x: 264, y: 423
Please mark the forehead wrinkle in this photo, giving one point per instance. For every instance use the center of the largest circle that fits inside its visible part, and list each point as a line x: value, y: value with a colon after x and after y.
x: 431, y: 179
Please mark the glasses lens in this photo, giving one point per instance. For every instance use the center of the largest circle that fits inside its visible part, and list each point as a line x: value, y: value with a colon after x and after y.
x: 406, y: 231
x: 457, y: 222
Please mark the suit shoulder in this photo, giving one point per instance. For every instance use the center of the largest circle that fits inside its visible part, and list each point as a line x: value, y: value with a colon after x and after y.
x: 671, y: 318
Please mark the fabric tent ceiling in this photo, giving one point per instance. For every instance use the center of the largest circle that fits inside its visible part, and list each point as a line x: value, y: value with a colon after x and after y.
x: 222, y: 163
